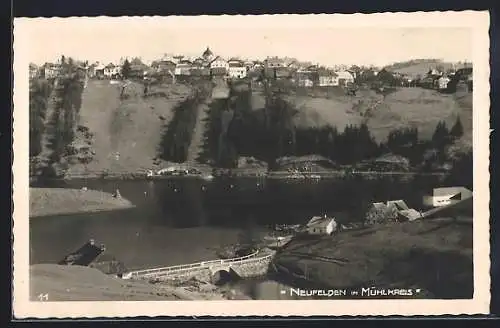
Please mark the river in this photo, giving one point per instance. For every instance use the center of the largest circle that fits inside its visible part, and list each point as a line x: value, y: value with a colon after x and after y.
x: 186, y: 220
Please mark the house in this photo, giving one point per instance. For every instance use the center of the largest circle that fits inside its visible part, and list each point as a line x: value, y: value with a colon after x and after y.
x: 218, y: 71
x: 199, y: 62
x: 377, y: 212
x: 398, y: 205
x: 236, y: 69
x: 248, y: 64
x: 257, y: 66
x: 164, y: 67
x: 137, y: 68
x: 91, y: 70
x: 327, y: 78
x: 283, y: 73
x: 33, y: 71
x: 446, y: 196
x: 377, y: 207
x: 183, y: 68
x: 111, y: 70
x: 389, y: 161
x: 219, y: 62
x: 50, y: 70
x: 435, y: 73
x: 443, y: 82
x: 409, y: 215
x: 293, y: 65
x: 82, y: 71
x: 99, y: 71
x: 275, y: 62
x: 237, y: 72
x: 304, y: 78
x: 343, y: 78
x: 321, y: 225
x: 391, y: 210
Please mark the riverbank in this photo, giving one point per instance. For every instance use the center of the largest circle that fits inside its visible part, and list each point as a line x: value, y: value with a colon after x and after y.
x: 434, y: 256
x: 57, y: 201
x: 275, y: 175
x: 77, y: 283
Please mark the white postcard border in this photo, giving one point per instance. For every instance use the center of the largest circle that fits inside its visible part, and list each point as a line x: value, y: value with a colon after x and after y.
x: 477, y: 21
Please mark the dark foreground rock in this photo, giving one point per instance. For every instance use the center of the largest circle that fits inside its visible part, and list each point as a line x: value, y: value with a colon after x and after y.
x: 433, y: 255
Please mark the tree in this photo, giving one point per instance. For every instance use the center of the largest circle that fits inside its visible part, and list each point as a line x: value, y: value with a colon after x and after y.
x: 457, y: 130
x: 441, y: 132
x: 440, y: 138
x: 126, y: 69
x: 386, y: 77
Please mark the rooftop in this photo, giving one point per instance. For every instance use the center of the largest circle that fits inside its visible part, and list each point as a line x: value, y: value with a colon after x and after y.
x: 319, y: 221
x: 446, y: 191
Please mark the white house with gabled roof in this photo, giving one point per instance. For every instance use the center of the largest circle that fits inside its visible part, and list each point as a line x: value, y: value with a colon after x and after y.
x: 446, y: 196
x: 321, y: 225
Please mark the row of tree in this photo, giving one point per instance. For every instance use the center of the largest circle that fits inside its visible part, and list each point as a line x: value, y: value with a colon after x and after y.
x: 270, y: 133
x: 179, y: 132
x: 39, y: 94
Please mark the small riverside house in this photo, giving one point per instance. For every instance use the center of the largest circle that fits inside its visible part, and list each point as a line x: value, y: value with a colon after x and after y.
x: 409, y: 215
x: 391, y: 210
x: 321, y: 225
x: 399, y: 205
x: 446, y: 196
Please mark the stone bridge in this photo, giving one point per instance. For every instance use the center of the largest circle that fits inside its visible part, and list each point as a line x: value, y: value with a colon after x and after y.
x: 253, y: 265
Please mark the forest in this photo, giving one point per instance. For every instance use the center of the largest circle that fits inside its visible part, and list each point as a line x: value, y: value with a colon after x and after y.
x: 54, y: 108
x: 234, y: 130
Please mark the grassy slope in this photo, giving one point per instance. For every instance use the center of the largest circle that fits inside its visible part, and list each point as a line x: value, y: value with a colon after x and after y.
x: 74, y: 283
x: 132, y: 127
x: 405, y: 107
x: 419, y: 68
x: 54, y: 201
x: 434, y: 255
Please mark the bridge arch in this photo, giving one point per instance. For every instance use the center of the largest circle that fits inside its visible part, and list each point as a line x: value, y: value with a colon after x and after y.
x: 221, y: 276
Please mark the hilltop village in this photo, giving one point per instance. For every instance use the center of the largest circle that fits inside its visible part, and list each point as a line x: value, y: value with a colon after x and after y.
x: 399, y: 120
x: 211, y: 117
x: 306, y: 74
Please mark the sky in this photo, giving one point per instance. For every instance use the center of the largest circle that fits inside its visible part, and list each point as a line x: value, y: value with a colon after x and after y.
x: 327, y: 40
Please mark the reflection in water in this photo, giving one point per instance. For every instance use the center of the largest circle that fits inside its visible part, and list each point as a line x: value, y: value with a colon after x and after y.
x: 183, y: 220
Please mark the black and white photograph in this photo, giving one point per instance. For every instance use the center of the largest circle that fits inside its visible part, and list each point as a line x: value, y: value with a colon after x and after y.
x: 298, y: 158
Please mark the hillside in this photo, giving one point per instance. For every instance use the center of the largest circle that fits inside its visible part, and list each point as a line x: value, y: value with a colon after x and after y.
x: 417, y: 67
x: 406, y: 107
x: 126, y: 132
x: 433, y: 255
x: 76, y: 283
